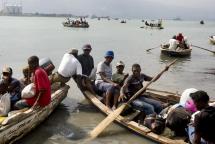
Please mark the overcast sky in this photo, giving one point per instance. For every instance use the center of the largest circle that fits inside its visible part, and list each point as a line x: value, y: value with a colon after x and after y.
x: 186, y: 9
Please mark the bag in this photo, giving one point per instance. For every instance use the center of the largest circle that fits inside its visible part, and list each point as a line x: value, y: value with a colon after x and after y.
x: 155, y: 122
x: 177, y: 120
x: 5, y: 104
x: 28, y: 91
x: 47, y: 65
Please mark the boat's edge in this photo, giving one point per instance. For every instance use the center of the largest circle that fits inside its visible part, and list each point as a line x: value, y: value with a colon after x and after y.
x: 12, y: 132
x: 142, y: 130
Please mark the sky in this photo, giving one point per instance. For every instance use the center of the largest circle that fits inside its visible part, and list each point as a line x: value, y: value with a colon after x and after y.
x: 186, y: 9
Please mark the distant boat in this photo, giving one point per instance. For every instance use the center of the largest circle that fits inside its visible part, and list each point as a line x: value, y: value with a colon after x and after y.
x: 153, y: 24
x: 181, y: 53
x: 123, y: 21
x: 76, y: 23
x: 202, y: 22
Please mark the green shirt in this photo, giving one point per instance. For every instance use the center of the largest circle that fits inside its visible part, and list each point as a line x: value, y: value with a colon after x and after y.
x: 118, y: 78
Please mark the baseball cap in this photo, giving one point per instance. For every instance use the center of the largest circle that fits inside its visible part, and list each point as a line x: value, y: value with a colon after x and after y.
x: 7, y: 70
x: 74, y: 51
x: 109, y: 54
x: 87, y: 47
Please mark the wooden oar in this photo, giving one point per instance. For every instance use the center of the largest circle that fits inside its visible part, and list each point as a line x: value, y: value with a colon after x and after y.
x: 112, y: 116
x: 203, y: 48
x: 152, y: 48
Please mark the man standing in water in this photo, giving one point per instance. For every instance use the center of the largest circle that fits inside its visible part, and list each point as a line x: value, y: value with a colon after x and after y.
x: 42, y: 86
x: 86, y: 60
x: 103, y: 81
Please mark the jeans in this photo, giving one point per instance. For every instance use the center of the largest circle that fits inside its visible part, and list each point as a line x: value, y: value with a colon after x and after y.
x: 147, y: 105
x: 105, y: 87
x: 191, y: 132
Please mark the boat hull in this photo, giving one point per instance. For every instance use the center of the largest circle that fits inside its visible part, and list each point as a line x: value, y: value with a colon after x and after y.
x: 134, y: 126
x: 181, y: 53
x: 24, y: 122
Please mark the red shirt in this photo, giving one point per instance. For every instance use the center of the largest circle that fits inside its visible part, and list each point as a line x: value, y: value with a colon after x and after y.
x: 41, y: 82
x: 180, y: 38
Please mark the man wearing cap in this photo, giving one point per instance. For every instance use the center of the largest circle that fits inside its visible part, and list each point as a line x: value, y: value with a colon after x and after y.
x: 69, y: 67
x: 103, y: 80
x: 86, y: 60
x: 119, y: 76
x: 13, y: 85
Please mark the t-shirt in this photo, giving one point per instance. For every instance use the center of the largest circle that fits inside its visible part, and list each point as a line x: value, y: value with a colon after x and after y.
x: 69, y: 66
x: 106, y: 69
x: 135, y: 84
x: 173, y: 44
x: 204, y: 123
x: 118, y: 78
x: 180, y: 38
x: 41, y: 82
x: 87, y: 63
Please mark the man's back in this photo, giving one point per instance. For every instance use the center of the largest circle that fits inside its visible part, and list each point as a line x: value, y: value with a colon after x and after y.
x: 87, y: 63
x: 173, y: 43
x: 204, y: 123
x: 69, y: 66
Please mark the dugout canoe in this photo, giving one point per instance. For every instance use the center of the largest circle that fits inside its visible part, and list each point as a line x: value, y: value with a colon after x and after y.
x: 178, y: 53
x: 19, y: 124
x: 128, y: 120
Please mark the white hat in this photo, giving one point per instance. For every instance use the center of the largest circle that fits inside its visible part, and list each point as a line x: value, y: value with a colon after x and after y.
x: 120, y: 63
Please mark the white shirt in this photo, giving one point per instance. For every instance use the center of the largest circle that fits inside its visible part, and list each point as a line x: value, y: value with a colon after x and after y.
x: 173, y: 44
x: 69, y: 66
x: 106, y: 69
x: 4, y: 104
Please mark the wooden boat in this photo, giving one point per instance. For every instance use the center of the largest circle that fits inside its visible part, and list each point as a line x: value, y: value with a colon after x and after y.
x: 178, y: 53
x: 212, y: 39
x: 16, y: 126
x: 129, y: 122
x: 80, y: 25
x: 154, y: 25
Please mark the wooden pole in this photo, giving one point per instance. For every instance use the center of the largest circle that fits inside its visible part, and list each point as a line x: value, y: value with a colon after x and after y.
x: 203, y: 48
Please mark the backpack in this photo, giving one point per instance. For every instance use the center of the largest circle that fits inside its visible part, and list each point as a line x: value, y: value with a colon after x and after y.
x: 177, y: 120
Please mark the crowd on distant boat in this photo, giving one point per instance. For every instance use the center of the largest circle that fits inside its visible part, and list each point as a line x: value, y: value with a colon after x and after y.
x: 76, y: 23
x: 113, y: 88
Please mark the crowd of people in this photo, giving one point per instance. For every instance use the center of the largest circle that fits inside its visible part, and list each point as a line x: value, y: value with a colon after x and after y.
x: 115, y: 88
x: 178, y: 43
x: 77, y: 22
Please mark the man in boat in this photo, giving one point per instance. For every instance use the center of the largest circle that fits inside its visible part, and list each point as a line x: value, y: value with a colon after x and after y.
x: 42, y: 86
x: 133, y: 84
x: 13, y: 85
x: 203, y: 127
x: 86, y: 60
x: 173, y: 43
x: 4, y: 99
x: 119, y: 77
x: 104, y: 83
x: 180, y: 37
x: 69, y: 67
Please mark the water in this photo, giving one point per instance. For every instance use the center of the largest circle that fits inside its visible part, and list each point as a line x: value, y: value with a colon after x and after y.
x: 22, y: 37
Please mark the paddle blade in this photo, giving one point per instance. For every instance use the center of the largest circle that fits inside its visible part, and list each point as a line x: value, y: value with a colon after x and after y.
x: 109, y: 119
